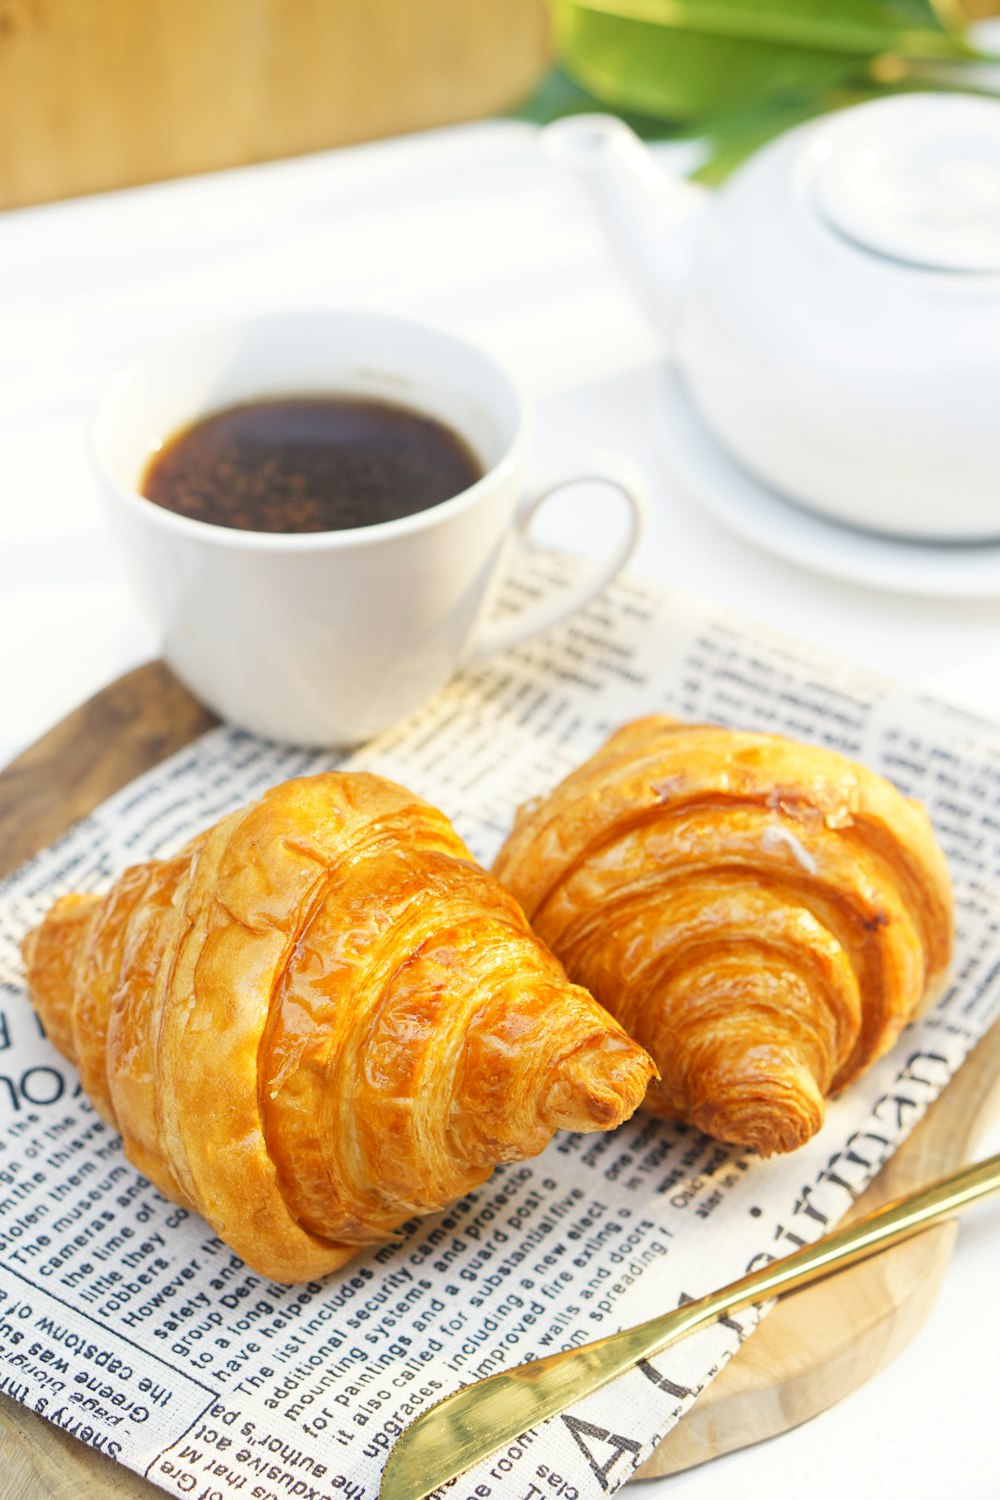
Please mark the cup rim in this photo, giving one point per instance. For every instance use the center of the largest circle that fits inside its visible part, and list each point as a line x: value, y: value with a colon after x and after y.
x: 310, y: 541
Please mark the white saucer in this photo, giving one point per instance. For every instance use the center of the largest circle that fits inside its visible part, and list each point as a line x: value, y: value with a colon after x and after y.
x: 758, y: 514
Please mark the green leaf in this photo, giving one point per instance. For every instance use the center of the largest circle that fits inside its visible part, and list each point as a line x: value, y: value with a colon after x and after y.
x: 687, y: 59
x: 731, y: 138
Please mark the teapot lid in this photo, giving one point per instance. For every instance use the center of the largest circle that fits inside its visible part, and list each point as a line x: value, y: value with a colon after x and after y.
x: 915, y: 177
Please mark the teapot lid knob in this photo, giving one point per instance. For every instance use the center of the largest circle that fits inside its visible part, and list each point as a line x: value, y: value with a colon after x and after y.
x: 914, y: 177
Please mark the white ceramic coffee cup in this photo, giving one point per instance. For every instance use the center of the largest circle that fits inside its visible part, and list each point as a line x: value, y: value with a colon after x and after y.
x: 326, y: 638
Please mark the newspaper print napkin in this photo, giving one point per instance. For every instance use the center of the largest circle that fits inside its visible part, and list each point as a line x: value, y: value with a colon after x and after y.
x: 127, y: 1323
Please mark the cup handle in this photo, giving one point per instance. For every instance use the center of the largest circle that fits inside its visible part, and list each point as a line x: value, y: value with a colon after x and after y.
x: 599, y: 468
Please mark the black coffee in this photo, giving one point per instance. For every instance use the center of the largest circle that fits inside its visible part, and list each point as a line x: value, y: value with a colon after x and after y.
x: 309, y: 463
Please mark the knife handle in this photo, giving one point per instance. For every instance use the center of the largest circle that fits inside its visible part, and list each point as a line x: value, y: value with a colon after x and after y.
x: 886, y: 1226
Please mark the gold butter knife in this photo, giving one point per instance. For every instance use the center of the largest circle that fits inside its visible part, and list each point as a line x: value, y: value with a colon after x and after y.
x: 468, y: 1426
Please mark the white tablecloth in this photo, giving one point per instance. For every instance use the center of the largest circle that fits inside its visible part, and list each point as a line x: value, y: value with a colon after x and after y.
x: 473, y: 228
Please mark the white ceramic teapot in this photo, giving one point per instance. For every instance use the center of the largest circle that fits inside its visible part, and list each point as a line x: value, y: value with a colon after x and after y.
x: 835, y: 307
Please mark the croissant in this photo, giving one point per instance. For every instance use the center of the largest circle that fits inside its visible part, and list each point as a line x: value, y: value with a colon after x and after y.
x: 322, y: 1018
x: 763, y: 916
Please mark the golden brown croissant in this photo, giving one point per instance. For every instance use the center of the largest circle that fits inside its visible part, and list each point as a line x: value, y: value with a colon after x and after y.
x: 321, y: 1018
x: 763, y: 916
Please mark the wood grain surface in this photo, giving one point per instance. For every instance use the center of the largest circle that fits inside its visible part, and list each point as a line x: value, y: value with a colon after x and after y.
x: 98, y: 94
x: 812, y: 1350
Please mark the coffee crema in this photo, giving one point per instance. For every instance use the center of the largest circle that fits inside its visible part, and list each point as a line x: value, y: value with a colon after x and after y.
x: 309, y: 463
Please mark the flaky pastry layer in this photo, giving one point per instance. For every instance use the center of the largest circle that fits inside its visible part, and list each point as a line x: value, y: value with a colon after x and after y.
x: 322, y: 1018
x: 763, y: 916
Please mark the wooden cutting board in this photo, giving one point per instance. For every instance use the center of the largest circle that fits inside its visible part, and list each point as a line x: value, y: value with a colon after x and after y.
x: 811, y: 1351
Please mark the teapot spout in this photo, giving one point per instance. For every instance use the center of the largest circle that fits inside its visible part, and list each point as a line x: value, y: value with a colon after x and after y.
x: 648, y: 216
